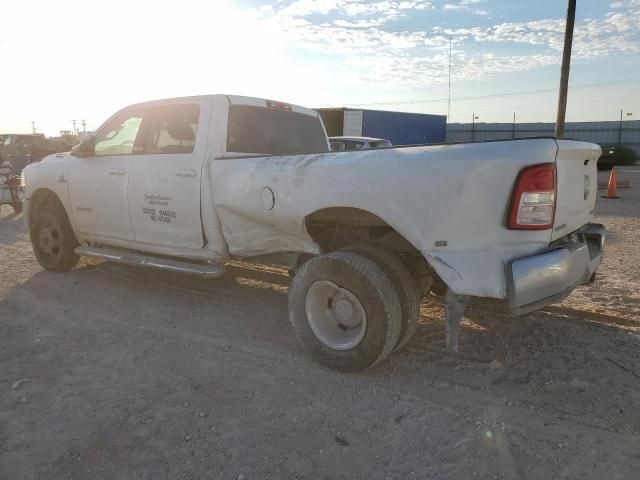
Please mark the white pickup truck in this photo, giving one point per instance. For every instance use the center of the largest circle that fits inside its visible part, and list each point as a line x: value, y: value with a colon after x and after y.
x: 186, y: 184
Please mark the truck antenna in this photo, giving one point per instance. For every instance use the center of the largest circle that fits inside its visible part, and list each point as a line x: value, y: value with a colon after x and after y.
x: 449, y: 99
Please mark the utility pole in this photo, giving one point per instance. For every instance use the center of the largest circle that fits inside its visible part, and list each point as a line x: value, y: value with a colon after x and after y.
x: 474, y: 117
x: 75, y: 132
x: 566, y: 65
x: 449, y: 100
x: 33, y: 127
x: 513, y: 126
x: 84, y: 126
x: 620, y: 128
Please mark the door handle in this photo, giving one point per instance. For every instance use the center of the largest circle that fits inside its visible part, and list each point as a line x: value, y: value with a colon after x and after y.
x: 117, y: 171
x: 186, y: 172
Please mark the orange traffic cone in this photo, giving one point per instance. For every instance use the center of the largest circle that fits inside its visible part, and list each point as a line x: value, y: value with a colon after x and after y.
x: 612, y: 191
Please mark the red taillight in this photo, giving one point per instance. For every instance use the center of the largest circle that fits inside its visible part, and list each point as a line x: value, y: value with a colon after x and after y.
x: 533, y: 203
x: 279, y: 106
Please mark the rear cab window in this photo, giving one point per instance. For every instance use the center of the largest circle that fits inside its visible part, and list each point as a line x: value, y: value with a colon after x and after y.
x: 267, y: 131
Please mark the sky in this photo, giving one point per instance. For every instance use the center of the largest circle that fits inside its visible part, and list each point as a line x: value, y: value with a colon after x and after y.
x: 68, y: 59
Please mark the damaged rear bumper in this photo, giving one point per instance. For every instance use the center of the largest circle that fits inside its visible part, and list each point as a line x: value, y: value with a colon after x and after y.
x: 551, y: 275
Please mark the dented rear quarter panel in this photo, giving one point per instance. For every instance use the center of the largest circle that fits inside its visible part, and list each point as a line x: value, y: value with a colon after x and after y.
x: 453, y: 193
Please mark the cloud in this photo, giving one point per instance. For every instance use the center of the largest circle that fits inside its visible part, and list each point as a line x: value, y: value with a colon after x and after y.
x: 374, y: 22
x: 466, y: 6
x: 411, y: 71
x: 615, y: 33
x: 360, y: 37
x: 626, y: 4
x: 388, y: 8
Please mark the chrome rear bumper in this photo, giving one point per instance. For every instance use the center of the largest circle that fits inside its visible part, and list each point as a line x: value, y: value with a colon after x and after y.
x: 549, y: 276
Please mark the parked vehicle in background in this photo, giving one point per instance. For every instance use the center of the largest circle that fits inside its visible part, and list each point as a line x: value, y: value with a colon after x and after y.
x: 187, y: 184
x: 616, y: 154
x: 339, y: 144
x: 11, y: 188
x: 22, y: 149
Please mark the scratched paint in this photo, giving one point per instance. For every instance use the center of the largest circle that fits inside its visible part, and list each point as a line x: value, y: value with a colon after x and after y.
x: 457, y: 193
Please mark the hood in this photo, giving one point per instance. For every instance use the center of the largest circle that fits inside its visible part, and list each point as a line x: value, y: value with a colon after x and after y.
x: 56, y: 157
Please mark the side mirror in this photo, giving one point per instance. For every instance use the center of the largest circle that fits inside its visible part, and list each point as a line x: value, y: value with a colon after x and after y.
x: 86, y: 147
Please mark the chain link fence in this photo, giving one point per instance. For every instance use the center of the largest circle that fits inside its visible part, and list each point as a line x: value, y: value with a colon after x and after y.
x: 603, y: 133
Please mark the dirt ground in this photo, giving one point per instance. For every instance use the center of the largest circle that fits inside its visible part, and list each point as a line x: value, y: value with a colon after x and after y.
x: 109, y: 372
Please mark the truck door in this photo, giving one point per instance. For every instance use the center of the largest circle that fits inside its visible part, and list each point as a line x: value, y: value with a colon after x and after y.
x: 98, y: 183
x: 165, y: 183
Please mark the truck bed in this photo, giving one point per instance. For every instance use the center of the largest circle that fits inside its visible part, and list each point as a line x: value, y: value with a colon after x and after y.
x: 449, y: 201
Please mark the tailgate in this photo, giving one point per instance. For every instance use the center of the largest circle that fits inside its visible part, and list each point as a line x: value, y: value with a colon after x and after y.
x: 577, y: 185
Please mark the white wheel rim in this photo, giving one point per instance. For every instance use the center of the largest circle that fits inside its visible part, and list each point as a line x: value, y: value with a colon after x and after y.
x: 49, y: 240
x: 335, y: 315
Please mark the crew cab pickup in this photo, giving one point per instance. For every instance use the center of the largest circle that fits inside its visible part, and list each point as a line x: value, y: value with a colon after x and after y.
x: 187, y: 184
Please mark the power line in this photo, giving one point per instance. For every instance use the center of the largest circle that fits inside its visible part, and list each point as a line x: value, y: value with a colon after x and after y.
x: 498, y: 95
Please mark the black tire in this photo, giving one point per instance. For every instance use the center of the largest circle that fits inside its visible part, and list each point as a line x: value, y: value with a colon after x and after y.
x: 51, y: 223
x: 366, y: 281
x: 405, y: 285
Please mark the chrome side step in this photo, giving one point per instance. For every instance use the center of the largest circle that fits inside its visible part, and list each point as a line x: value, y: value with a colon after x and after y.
x: 132, y: 258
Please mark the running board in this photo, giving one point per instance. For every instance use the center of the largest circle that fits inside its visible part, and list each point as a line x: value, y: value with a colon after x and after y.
x: 131, y: 258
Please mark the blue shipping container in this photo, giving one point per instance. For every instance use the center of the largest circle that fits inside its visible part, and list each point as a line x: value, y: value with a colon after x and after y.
x: 404, y: 128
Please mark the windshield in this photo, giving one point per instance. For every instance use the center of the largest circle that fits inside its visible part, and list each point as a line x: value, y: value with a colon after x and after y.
x: 266, y: 131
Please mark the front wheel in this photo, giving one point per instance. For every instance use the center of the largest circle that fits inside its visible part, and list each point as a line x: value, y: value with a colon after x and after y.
x: 345, y: 311
x: 53, y: 240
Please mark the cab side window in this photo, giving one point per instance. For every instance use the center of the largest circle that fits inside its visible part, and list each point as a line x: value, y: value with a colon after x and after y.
x: 121, y: 135
x: 173, y: 129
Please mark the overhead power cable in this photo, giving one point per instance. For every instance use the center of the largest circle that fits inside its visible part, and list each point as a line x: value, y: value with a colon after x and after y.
x: 497, y: 95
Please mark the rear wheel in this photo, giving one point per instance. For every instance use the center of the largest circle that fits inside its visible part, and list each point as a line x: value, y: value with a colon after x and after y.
x: 344, y: 311
x: 53, y: 240
x: 406, y: 288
